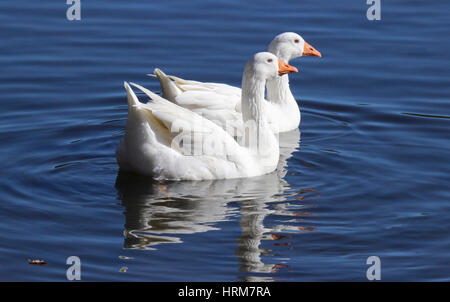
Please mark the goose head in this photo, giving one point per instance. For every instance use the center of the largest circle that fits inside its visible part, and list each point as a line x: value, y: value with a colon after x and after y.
x: 289, y: 45
x: 265, y: 66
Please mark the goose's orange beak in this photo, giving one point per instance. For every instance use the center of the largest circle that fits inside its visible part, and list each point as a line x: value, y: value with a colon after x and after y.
x: 308, y: 50
x: 284, y: 68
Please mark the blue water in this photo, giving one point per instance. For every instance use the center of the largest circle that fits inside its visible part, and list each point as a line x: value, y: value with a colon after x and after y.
x: 367, y: 176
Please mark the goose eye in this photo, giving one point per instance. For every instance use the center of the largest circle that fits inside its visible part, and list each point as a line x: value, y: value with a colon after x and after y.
x: 269, y: 60
x: 296, y: 40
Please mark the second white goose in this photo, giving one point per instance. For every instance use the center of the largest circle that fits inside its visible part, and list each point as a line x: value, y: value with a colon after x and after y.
x: 221, y: 104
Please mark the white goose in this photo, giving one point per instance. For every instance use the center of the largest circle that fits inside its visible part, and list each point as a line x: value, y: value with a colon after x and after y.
x: 167, y: 141
x: 220, y: 103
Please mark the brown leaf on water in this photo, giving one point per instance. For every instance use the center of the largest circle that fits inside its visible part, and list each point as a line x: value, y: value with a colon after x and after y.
x: 300, y: 197
x: 37, y: 262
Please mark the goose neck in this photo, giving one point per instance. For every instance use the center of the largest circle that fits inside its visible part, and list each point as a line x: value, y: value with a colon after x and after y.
x: 278, y: 90
x: 253, y: 89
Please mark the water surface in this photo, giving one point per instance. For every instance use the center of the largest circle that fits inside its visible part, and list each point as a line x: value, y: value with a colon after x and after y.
x: 367, y: 174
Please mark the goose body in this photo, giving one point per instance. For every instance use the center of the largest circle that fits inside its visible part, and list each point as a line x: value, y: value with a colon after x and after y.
x: 167, y: 141
x: 221, y: 103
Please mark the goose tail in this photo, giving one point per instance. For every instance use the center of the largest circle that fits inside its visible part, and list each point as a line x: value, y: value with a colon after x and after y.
x: 133, y: 101
x: 168, y: 88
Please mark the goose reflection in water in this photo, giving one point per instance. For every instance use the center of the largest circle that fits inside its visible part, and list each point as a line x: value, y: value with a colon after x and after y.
x: 160, y: 212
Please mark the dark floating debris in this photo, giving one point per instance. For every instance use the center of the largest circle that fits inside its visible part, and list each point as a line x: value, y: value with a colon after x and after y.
x: 37, y: 262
